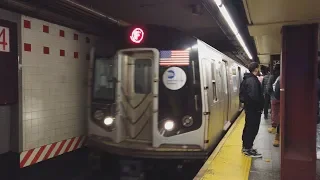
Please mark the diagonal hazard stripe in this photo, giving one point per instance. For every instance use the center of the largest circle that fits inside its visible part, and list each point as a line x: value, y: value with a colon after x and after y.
x: 35, y: 159
x: 69, y: 145
x: 77, y: 144
x: 49, y: 151
x: 60, y: 147
x: 45, y: 152
x: 26, y: 157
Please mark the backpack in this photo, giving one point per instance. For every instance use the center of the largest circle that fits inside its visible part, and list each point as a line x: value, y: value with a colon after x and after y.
x: 274, y: 84
x: 276, y: 89
x: 242, y: 92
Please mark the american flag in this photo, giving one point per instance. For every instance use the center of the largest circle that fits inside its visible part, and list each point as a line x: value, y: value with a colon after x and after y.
x: 178, y: 58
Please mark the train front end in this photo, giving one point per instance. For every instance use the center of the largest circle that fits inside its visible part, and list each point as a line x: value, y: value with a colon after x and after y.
x: 146, y: 99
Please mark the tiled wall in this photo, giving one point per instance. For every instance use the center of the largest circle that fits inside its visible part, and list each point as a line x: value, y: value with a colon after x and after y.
x: 54, y: 81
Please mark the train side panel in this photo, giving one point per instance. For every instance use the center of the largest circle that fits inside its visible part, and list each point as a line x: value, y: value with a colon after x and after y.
x: 220, y: 82
x: 213, y: 94
x: 233, y: 88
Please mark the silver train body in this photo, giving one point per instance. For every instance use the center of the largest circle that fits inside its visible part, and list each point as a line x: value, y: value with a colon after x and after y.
x: 159, y: 110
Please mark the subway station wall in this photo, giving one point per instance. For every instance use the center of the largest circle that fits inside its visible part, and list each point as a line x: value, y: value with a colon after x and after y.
x: 55, y: 62
x: 9, y: 113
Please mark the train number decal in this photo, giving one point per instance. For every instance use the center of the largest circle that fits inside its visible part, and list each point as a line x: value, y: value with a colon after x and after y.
x: 4, y: 39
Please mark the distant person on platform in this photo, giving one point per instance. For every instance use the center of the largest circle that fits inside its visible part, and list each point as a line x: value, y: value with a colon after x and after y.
x: 276, y: 94
x: 275, y: 104
x: 266, y: 95
x: 251, y: 96
x: 318, y: 120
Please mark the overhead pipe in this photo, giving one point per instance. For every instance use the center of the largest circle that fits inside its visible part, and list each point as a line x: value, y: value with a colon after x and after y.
x: 50, y: 16
x: 92, y: 11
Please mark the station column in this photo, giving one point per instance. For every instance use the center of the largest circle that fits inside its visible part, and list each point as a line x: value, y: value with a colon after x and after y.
x: 298, y: 102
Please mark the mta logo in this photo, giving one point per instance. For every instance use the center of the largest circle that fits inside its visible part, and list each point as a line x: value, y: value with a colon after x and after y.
x: 171, y: 74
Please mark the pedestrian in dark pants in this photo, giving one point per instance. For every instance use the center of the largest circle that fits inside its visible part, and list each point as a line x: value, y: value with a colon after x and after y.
x: 266, y: 96
x: 251, y: 96
x: 276, y: 94
x: 275, y: 103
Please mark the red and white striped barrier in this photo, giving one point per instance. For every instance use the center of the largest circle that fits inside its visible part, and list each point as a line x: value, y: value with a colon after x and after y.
x: 45, y: 152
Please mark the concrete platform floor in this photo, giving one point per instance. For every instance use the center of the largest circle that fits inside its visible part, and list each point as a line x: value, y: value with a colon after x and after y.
x: 268, y: 168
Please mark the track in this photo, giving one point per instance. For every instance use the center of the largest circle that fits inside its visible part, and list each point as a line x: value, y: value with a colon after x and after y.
x: 85, y: 165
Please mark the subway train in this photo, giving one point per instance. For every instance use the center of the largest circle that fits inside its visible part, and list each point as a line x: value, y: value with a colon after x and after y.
x: 161, y: 94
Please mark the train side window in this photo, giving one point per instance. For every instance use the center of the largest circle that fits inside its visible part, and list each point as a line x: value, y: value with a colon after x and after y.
x: 142, y: 76
x: 213, y: 79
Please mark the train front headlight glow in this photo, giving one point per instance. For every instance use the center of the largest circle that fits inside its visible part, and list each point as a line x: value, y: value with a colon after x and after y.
x: 108, y: 121
x: 169, y: 125
x: 187, y: 121
x: 98, y: 115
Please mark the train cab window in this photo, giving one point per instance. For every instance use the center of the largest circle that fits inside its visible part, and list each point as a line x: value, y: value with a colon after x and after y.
x: 213, y: 79
x: 142, y: 76
x: 103, y: 79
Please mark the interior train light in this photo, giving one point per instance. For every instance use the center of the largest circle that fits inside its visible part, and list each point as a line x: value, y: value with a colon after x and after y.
x: 232, y: 26
x: 137, y: 35
x: 108, y: 121
x: 169, y: 125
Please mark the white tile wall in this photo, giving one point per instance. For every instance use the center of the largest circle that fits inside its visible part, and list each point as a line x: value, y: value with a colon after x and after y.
x: 54, y: 87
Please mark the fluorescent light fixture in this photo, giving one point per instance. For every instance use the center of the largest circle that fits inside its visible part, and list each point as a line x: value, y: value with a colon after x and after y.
x: 193, y: 47
x: 218, y: 2
x: 243, y: 45
x: 232, y: 26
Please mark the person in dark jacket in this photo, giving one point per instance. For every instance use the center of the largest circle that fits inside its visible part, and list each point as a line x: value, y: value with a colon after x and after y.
x: 251, y: 95
x: 266, y: 95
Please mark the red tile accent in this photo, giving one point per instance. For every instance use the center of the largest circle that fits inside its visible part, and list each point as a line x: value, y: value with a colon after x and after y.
x: 27, y: 47
x: 87, y: 40
x: 61, y: 33
x: 62, y: 52
x: 46, y: 50
x: 45, y: 29
x: 76, y: 55
x: 75, y: 37
x: 27, y: 24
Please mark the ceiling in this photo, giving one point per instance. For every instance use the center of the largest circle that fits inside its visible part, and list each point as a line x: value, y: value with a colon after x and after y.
x: 266, y: 18
x: 172, y: 13
x: 200, y: 18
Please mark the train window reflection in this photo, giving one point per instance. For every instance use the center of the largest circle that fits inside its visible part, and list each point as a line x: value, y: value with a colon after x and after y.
x: 103, y: 80
x: 142, y: 76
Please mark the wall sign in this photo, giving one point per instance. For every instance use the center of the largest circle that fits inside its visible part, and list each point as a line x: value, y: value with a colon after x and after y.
x: 137, y: 35
x: 174, y: 78
x: 4, y: 39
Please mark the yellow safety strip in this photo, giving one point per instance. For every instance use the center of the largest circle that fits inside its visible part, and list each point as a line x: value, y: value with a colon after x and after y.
x: 227, y: 161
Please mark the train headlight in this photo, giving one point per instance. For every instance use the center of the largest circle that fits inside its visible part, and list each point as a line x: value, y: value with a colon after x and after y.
x: 169, y: 125
x: 187, y: 121
x: 98, y: 115
x: 108, y: 121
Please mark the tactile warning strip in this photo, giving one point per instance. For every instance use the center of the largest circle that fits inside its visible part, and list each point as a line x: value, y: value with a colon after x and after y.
x: 227, y: 161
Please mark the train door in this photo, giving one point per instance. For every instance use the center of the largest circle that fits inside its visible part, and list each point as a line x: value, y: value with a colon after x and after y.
x: 239, y: 77
x: 225, y: 91
x: 206, y: 73
x: 136, y: 74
